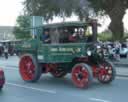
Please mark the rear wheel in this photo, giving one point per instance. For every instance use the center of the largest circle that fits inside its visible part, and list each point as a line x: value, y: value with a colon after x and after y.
x: 106, y: 73
x: 82, y: 75
x: 29, y: 68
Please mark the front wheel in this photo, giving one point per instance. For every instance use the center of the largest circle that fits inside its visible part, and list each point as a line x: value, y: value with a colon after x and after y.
x: 106, y: 73
x: 29, y: 68
x: 82, y: 75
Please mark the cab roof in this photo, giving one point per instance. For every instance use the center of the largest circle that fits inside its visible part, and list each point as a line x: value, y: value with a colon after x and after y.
x: 66, y: 24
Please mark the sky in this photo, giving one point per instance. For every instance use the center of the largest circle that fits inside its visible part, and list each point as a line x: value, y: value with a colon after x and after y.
x: 10, y: 9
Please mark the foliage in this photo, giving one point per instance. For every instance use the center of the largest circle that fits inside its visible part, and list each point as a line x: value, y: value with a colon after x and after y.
x: 116, y: 11
x: 126, y: 36
x: 105, y: 37
x: 108, y: 5
x: 21, y: 30
x: 45, y: 8
x: 65, y: 8
x: 50, y: 8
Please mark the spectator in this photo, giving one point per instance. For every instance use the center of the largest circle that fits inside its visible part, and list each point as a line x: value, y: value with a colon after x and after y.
x: 6, y: 51
x: 66, y: 36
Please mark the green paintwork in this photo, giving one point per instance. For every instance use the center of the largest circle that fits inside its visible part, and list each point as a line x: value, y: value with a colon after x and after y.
x: 60, y: 53
x: 29, y: 46
x: 53, y: 53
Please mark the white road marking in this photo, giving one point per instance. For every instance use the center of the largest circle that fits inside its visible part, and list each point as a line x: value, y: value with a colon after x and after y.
x: 10, y: 68
x: 2, y: 66
x: 122, y: 78
x: 32, y: 88
x: 98, y: 100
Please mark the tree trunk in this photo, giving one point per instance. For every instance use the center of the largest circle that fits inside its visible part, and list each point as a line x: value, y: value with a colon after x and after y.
x: 116, y: 26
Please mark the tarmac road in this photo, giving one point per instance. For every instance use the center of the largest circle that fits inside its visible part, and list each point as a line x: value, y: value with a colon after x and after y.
x: 49, y: 89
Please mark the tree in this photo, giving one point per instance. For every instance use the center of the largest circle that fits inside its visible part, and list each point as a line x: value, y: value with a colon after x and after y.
x: 50, y: 8
x: 22, y: 29
x: 116, y: 11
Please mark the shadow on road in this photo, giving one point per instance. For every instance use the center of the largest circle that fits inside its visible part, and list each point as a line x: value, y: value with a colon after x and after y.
x: 66, y: 83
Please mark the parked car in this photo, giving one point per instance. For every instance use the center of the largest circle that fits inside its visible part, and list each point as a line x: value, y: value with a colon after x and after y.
x: 2, y: 79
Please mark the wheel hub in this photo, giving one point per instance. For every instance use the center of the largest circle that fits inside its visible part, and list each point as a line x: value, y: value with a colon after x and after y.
x: 80, y: 76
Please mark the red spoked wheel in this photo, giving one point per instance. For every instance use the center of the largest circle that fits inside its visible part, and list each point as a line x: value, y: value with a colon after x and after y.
x: 82, y: 75
x: 2, y: 79
x: 2, y: 82
x: 59, y: 73
x: 29, y: 69
x: 106, y: 73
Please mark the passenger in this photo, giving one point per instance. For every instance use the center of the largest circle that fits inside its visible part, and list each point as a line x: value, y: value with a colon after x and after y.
x: 55, y: 36
x: 81, y: 34
x: 89, y: 39
x: 73, y: 37
x: 66, y: 36
x: 46, y: 37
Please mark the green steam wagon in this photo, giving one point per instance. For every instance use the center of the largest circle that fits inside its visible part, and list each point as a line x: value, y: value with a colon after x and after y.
x: 65, y: 48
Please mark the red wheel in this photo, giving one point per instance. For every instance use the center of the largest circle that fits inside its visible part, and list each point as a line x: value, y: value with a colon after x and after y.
x: 106, y: 73
x: 29, y: 69
x: 82, y: 75
x: 2, y: 82
x: 58, y: 73
x: 2, y: 79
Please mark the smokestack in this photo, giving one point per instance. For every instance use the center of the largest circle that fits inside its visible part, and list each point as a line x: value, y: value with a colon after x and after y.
x: 84, y: 7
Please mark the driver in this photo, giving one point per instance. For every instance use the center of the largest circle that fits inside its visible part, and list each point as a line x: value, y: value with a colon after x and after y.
x: 46, y: 37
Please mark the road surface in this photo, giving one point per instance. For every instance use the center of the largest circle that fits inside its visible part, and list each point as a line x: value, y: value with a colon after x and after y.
x: 49, y: 89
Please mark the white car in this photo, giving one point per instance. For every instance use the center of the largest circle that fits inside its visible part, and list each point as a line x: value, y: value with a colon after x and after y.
x: 123, y: 52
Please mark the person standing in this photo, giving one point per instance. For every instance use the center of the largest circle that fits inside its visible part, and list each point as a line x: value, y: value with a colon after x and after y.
x: 55, y: 36
x: 6, y: 51
x: 0, y: 49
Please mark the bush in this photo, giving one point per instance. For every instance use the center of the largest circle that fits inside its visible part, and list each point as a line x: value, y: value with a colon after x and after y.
x: 105, y: 37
